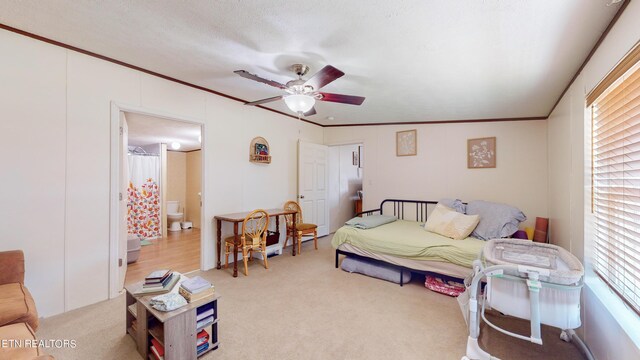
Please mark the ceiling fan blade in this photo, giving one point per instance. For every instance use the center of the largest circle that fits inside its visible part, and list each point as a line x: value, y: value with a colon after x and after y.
x: 323, y: 77
x: 250, y: 76
x: 344, y: 99
x: 310, y: 112
x: 258, y: 102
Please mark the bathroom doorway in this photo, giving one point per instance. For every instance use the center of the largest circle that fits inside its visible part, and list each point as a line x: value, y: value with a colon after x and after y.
x: 161, y: 185
x: 346, y: 172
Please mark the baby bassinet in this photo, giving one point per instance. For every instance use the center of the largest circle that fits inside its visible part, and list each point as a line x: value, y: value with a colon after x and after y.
x: 559, y: 299
x: 529, y: 280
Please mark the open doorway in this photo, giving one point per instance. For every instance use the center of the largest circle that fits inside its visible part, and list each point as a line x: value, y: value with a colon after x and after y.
x: 161, y: 183
x: 346, y: 172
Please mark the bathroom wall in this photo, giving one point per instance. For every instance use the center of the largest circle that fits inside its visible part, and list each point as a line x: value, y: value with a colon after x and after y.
x: 194, y: 187
x: 177, y: 178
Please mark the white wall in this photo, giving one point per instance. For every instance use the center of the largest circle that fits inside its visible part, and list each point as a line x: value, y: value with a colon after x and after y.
x: 610, y: 330
x: 440, y: 168
x: 56, y: 163
x: 33, y: 162
x: 344, y: 180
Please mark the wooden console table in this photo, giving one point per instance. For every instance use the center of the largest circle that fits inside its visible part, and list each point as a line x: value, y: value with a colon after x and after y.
x: 176, y: 330
x: 237, y: 218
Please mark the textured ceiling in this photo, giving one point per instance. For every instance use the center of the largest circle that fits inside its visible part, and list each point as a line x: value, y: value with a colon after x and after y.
x: 413, y: 60
x: 147, y: 130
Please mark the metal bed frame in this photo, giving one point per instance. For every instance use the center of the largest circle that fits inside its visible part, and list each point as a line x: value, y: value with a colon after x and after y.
x: 421, y: 214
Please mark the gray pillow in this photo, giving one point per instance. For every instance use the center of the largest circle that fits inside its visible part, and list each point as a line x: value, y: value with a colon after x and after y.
x: 455, y: 204
x: 496, y: 220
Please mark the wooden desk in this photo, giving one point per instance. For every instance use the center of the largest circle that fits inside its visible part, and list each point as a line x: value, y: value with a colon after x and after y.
x: 237, y: 218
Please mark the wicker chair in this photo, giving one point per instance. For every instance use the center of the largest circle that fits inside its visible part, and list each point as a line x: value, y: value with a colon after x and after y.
x: 253, y: 238
x: 300, y: 227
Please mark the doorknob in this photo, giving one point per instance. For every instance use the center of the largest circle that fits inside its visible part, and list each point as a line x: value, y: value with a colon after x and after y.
x: 301, y: 196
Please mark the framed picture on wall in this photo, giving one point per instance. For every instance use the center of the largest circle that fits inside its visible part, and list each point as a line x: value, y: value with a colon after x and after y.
x: 356, y: 158
x: 481, y: 153
x: 406, y: 143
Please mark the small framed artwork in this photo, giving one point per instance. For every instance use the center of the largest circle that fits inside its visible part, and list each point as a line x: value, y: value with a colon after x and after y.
x: 259, y: 151
x: 406, y: 143
x: 481, y: 153
x: 262, y: 149
x: 356, y: 158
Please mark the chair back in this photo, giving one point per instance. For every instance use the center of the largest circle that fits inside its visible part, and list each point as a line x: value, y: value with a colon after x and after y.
x: 292, y: 205
x: 254, y: 227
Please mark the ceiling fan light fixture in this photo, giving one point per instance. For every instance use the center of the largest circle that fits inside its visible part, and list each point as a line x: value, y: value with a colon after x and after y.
x: 299, y: 103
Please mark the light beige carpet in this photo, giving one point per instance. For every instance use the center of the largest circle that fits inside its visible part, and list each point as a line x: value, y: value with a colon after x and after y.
x: 304, y: 308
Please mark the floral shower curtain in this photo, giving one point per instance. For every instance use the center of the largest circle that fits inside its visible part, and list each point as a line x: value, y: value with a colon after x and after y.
x: 143, y: 207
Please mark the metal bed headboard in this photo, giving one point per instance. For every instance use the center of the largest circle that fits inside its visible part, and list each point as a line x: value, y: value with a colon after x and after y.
x: 400, y: 207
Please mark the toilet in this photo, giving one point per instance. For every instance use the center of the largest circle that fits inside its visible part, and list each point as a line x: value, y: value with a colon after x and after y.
x: 173, y: 215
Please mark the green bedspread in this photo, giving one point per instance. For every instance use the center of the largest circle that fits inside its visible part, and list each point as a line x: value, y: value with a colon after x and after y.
x: 408, y: 239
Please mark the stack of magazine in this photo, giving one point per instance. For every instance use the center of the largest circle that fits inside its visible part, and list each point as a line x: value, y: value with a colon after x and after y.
x: 195, y: 289
x: 159, y: 282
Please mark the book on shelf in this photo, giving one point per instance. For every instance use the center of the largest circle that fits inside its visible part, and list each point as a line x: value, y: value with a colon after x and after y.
x: 154, y: 353
x: 204, y: 314
x: 195, y: 297
x: 203, y: 337
x: 133, y: 309
x: 204, y: 322
x: 202, y: 348
x: 160, y: 290
x: 157, y: 349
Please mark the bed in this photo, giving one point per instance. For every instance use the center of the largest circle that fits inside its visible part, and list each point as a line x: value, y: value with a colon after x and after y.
x: 405, y: 243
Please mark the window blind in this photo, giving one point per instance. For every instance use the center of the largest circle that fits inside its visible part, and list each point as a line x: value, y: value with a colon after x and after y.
x: 616, y: 185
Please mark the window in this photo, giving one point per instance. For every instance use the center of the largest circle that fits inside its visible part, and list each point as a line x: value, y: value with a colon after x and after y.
x: 615, y: 113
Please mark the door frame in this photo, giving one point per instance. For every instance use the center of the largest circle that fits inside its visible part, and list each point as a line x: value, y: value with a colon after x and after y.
x: 114, y: 187
x: 342, y: 143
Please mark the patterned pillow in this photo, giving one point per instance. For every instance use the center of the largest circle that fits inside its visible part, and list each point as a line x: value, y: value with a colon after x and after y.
x: 450, y: 223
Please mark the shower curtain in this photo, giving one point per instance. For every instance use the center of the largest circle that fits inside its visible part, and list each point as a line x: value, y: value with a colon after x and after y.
x: 143, y: 207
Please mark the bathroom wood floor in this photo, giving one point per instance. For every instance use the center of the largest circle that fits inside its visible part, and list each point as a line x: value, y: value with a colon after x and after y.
x: 179, y: 251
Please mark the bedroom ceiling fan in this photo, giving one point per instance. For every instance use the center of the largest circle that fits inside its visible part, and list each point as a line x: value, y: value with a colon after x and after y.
x: 302, y: 94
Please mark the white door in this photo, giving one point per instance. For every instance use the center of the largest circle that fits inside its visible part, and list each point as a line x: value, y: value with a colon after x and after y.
x: 123, y: 200
x: 313, y: 179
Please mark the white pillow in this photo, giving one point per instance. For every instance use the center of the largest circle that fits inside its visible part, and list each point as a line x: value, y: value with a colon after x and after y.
x: 450, y: 223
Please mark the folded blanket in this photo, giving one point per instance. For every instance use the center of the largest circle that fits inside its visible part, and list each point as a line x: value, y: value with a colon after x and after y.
x: 370, y: 222
x: 167, y: 302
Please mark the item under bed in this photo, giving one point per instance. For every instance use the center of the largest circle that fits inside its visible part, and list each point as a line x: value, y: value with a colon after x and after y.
x: 438, y: 267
